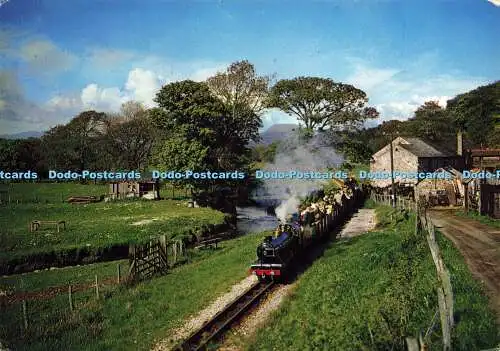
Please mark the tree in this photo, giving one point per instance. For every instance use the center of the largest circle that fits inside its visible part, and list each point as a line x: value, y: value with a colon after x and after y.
x: 86, y: 129
x: 179, y: 153
x: 130, y: 136
x: 431, y: 122
x: 320, y: 102
x: 77, y: 145
x: 241, y: 91
x: 265, y: 153
x: 190, y: 114
x: 21, y: 155
x: 477, y: 112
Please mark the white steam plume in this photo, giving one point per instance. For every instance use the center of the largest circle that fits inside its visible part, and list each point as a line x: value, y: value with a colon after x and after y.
x: 294, y: 154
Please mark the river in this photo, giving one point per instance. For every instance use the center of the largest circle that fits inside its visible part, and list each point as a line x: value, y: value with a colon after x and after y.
x: 253, y: 219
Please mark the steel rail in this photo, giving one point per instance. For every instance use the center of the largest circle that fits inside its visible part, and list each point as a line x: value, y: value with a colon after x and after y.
x: 212, y: 329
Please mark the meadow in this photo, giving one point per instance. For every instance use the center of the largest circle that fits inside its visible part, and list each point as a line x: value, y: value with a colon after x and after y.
x: 124, y: 318
x: 44, y: 192
x: 95, y: 225
x: 371, y: 292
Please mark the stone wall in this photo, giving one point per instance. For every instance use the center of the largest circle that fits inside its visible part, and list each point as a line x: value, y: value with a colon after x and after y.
x: 427, y: 186
x: 404, y: 161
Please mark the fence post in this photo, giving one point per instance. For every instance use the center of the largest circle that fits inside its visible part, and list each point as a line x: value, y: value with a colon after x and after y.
x: 445, y: 293
x: 70, y: 297
x: 174, y: 247
x: 96, y: 287
x: 25, y: 315
x: 118, y: 273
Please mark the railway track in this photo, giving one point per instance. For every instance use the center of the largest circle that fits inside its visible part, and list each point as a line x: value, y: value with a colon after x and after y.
x: 213, y: 329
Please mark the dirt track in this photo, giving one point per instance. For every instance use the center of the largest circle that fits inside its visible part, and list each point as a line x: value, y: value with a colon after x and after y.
x: 361, y: 222
x: 480, y: 246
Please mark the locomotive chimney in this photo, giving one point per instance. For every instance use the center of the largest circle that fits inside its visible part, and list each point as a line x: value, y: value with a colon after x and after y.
x: 459, y: 143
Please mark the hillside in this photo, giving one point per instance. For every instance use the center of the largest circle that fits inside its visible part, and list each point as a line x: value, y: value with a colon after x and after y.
x: 22, y: 135
x: 277, y: 132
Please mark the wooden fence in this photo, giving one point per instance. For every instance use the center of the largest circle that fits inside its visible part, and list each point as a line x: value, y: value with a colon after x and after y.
x: 155, y: 257
x: 444, y: 289
x: 401, y: 202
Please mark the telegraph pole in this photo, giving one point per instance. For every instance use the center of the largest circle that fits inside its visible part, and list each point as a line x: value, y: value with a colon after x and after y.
x: 390, y: 134
x: 393, y: 185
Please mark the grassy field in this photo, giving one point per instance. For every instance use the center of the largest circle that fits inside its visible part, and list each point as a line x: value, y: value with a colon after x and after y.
x: 125, y: 318
x: 96, y: 225
x: 48, y: 192
x: 371, y: 292
x: 59, y: 192
x: 38, y: 281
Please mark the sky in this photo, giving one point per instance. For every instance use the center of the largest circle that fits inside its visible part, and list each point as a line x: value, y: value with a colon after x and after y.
x: 60, y: 57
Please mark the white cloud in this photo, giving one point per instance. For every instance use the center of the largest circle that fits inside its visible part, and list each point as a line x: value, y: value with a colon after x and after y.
x: 95, y: 97
x: 18, y: 114
x: 202, y: 74
x: 142, y: 85
x: 367, y: 78
x: 495, y: 2
x: 109, y: 58
x: 43, y: 56
x: 397, y: 92
x: 63, y: 102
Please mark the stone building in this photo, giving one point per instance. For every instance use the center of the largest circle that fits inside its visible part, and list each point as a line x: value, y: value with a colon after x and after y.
x: 412, y: 155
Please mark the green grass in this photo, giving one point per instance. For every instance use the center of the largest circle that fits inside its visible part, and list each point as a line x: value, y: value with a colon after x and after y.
x: 99, y: 224
x: 37, y: 281
x: 132, y: 318
x: 60, y: 192
x: 480, y: 218
x: 96, y: 225
x: 371, y: 292
x: 48, y: 192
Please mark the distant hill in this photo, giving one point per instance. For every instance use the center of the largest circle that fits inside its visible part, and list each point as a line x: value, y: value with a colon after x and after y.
x: 22, y: 135
x: 277, y: 132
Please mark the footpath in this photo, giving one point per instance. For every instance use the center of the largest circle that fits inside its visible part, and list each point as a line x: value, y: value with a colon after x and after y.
x: 361, y: 222
x: 480, y: 246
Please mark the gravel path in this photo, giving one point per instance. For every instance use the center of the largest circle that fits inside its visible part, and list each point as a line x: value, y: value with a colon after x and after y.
x: 205, y: 315
x: 361, y: 222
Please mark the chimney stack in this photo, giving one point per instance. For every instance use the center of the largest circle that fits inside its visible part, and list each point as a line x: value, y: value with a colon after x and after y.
x: 459, y: 143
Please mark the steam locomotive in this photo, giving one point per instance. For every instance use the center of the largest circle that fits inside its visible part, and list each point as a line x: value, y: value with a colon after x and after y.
x: 275, y: 255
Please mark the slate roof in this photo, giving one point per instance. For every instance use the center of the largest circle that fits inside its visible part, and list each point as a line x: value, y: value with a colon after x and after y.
x: 421, y: 148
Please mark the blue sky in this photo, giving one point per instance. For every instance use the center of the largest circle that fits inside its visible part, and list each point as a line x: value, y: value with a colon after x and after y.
x: 59, y: 57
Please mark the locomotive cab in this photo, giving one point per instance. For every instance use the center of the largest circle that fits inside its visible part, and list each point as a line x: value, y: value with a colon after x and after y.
x: 275, y: 253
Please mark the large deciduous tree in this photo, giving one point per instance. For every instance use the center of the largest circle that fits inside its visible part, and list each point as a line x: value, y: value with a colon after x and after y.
x: 76, y: 145
x: 199, y: 127
x: 21, y: 154
x: 477, y: 112
x: 431, y: 122
x: 320, y: 103
x: 130, y: 136
x: 239, y: 88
